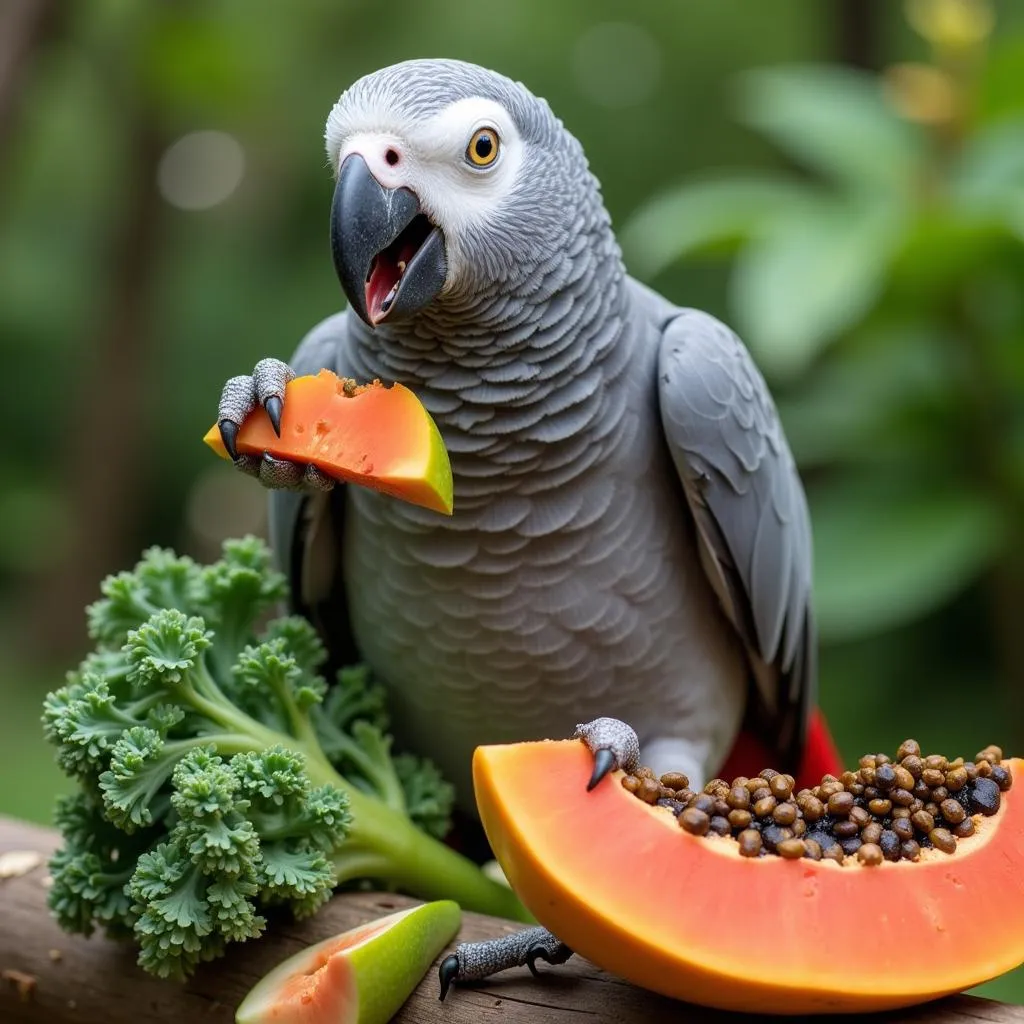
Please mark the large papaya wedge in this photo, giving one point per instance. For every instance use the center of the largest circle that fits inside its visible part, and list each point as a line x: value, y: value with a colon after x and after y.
x: 889, y: 886
x: 368, y: 434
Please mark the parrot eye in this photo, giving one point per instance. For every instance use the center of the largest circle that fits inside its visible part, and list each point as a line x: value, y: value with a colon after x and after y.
x: 482, y: 150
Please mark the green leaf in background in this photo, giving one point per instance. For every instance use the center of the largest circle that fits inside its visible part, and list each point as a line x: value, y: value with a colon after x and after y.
x: 812, y: 273
x: 701, y: 213
x: 988, y: 178
x: 884, y: 558
x: 854, y: 407
x: 836, y: 121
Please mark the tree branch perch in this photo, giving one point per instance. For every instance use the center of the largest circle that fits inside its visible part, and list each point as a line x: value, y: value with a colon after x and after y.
x: 48, y: 976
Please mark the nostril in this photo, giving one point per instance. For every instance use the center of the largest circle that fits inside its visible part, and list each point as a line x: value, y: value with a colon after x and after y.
x: 392, y: 157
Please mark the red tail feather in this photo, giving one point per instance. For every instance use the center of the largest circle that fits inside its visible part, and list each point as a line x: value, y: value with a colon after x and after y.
x: 749, y: 755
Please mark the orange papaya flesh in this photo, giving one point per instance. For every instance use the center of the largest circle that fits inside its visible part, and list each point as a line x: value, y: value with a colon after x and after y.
x: 361, y: 976
x: 372, y: 435
x: 624, y: 886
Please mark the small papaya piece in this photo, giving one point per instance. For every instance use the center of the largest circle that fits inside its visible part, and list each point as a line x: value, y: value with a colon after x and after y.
x: 659, y: 899
x: 361, y: 976
x: 371, y: 435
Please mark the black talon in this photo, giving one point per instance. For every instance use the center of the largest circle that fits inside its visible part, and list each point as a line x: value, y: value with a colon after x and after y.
x: 534, y: 954
x: 228, y: 434
x: 274, y: 405
x: 604, y: 762
x: 447, y: 973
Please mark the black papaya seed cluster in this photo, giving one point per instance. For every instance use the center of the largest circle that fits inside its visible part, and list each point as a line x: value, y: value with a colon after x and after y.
x: 889, y: 809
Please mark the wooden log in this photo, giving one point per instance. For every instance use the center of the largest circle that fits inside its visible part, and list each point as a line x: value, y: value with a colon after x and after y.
x: 48, y: 976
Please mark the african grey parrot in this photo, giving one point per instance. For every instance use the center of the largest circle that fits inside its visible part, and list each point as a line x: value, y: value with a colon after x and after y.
x: 630, y: 537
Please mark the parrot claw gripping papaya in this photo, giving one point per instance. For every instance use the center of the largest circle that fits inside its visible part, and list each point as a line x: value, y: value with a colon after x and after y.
x: 329, y: 429
x: 676, y: 889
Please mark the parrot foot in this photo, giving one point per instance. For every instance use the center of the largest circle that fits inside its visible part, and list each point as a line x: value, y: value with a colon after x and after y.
x: 613, y: 744
x: 473, y: 961
x: 240, y: 396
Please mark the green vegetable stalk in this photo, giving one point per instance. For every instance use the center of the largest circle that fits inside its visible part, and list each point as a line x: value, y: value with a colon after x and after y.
x: 219, y: 777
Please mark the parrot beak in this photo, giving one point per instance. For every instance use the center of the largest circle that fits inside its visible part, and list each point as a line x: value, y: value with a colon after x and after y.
x: 389, y: 257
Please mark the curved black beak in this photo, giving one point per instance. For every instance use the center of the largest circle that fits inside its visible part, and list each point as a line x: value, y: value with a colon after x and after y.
x: 389, y: 258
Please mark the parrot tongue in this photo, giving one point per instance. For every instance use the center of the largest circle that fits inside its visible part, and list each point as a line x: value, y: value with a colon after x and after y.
x: 388, y: 267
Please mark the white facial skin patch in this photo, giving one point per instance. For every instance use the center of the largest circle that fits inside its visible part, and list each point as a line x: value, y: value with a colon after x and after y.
x: 428, y: 156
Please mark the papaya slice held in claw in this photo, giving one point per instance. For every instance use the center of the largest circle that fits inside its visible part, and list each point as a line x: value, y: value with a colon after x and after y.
x: 372, y: 435
x: 705, y: 897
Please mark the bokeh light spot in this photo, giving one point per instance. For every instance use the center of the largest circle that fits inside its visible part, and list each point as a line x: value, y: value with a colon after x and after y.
x: 201, y: 169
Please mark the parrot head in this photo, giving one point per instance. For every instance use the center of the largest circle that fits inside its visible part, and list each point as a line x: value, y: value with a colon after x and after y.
x: 454, y: 185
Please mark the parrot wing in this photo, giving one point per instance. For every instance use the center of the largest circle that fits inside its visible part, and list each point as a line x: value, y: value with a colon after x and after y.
x: 306, y: 530
x: 750, y: 510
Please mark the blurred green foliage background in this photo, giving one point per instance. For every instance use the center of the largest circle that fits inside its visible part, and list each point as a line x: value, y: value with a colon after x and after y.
x: 842, y: 181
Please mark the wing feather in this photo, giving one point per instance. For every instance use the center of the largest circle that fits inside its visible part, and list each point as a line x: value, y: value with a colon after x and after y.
x: 743, y: 489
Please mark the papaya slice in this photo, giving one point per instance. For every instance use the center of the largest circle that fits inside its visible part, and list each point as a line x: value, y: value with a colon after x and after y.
x: 361, y: 976
x: 687, y: 915
x: 372, y: 435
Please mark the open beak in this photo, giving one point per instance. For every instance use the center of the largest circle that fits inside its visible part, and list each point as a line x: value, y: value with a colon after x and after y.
x: 389, y: 257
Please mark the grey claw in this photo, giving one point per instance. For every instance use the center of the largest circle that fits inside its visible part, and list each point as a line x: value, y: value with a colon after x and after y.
x: 447, y: 973
x: 604, y: 762
x: 612, y: 743
x: 229, y: 435
x: 274, y: 407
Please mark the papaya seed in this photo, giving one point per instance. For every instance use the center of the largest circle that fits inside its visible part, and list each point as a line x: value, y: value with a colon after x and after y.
x: 992, y: 754
x: 720, y: 826
x: 704, y: 802
x: 785, y: 813
x: 922, y: 821
x: 1001, y: 777
x: 880, y: 808
x: 903, y: 828
x: 933, y: 777
x: 791, y: 849
x: 750, y: 842
x: 885, y: 777
x: 812, y: 849
x: 738, y: 798
x: 695, y: 821
x: 675, y: 780
x: 964, y: 829
x: 905, y: 778
x: 889, y: 844
x: 740, y: 818
x: 953, y: 811
x: 910, y: 849
x: 871, y: 833
x: 630, y: 783
x: 649, y: 790
x: 845, y: 829
x: 840, y: 803
x: 956, y: 778
x: 942, y: 840
x: 765, y: 806
x: 834, y: 853
x: 860, y: 816
x: 985, y: 796
x: 781, y: 787
x: 908, y: 748
x: 870, y: 854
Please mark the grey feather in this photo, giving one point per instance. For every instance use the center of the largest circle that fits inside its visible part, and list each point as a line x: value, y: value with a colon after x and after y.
x: 742, y: 485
